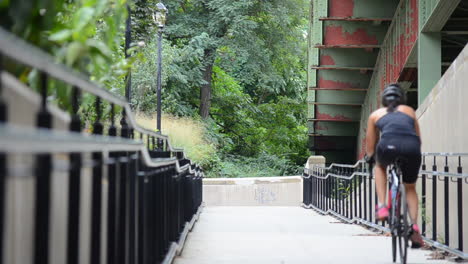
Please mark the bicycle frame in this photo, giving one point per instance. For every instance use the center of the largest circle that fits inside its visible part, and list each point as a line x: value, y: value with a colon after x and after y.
x: 398, y: 223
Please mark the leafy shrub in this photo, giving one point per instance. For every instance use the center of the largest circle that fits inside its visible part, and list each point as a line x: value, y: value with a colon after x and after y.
x: 264, y: 165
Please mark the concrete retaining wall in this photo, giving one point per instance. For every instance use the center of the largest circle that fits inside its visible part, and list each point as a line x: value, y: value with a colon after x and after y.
x: 444, y: 125
x: 267, y: 191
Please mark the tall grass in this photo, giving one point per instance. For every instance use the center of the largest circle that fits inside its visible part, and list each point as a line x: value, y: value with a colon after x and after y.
x: 193, y: 137
x: 185, y: 133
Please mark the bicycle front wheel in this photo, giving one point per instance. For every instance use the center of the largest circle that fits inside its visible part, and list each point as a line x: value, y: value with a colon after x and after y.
x: 403, y: 234
x: 392, y: 221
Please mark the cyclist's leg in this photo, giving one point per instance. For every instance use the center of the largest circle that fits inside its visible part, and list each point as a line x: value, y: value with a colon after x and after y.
x: 410, y: 170
x: 384, y: 157
x: 381, y: 183
x: 412, y: 200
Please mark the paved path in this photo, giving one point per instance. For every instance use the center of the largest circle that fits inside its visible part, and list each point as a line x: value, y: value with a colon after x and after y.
x: 284, y: 235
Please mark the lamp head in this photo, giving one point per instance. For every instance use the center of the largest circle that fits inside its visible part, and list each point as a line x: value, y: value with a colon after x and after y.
x: 159, y: 16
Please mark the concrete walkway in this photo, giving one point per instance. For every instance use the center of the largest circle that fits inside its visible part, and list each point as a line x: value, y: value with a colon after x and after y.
x: 286, y: 235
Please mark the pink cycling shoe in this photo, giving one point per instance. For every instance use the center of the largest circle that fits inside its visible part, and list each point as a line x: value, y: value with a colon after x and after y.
x: 415, y: 237
x: 382, y: 213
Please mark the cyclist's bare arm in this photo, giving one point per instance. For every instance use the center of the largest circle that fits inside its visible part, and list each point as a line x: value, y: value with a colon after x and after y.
x: 372, y: 134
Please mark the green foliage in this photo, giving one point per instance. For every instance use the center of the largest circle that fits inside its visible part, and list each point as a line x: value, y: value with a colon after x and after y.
x: 259, y: 43
x: 258, y: 80
x: 87, y: 35
x: 265, y: 165
x: 30, y: 19
x: 181, y: 73
x: 256, y: 50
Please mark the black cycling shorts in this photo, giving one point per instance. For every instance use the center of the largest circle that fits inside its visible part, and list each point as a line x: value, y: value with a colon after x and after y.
x: 408, y: 148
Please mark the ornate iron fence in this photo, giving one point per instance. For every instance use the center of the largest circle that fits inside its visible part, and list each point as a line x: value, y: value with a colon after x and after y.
x: 133, y: 194
x: 348, y: 193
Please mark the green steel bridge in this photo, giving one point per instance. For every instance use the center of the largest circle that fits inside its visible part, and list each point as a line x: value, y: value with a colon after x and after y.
x: 357, y: 47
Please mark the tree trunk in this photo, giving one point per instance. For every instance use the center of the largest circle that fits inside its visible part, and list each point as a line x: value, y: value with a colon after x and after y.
x: 205, y: 90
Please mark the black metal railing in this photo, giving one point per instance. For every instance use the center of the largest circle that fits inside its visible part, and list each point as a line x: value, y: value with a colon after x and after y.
x: 135, y: 195
x: 348, y: 193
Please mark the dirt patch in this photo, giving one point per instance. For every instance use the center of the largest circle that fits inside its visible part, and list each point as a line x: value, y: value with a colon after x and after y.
x: 437, y: 254
x: 375, y: 234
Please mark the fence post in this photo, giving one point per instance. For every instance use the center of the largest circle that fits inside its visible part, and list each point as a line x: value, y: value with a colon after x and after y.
x: 360, y: 181
x: 351, y: 200
x: 96, y: 192
x: 370, y: 195
x: 321, y: 194
x: 327, y: 194
x: 355, y: 186
x: 132, y: 198
x: 3, y: 162
x: 43, y: 185
x: 446, y: 203
x: 364, y: 202
x: 460, y: 205
x: 336, y: 197
x: 73, y: 221
x: 346, y: 196
x: 434, y: 201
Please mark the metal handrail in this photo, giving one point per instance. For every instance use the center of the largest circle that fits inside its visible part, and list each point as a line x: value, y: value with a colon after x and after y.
x: 16, y: 139
x: 140, y: 189
x: 339, y: 165
x: 445, y: 154
x: 355, y: 205
x: 445, y: 174
x: 337, y: 176
x: 354, y: 220
x: 21, y: 51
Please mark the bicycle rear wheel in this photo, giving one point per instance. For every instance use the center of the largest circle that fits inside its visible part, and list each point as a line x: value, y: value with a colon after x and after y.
x: 403, y: 234
x: 394, y: 248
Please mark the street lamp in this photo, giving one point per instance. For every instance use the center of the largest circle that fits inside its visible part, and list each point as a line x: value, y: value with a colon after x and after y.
x: 128, y: 40
x: 159, y: 18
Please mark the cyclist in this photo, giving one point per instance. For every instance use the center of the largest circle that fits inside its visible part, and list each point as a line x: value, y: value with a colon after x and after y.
x: 393, y: 131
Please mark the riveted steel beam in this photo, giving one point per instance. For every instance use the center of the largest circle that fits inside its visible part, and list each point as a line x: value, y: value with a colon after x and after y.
x: 364, y: 58
x: 339, y: 97
x: 434, y: 14
x: 360, y: 19
x: 341, y: 61
x: 344, y: 46
x: 394, y: 55
x: 362, y: 8
x: 353, y: 33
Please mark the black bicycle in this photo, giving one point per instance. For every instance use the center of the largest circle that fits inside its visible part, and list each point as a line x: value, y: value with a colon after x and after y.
x: 398, y: 219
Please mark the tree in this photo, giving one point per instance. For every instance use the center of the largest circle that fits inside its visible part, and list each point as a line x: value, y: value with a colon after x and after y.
x: 245, y: 35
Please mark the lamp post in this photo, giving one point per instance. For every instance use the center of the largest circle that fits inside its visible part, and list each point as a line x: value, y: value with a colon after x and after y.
x: 159, y: 18
x: 128, y: 40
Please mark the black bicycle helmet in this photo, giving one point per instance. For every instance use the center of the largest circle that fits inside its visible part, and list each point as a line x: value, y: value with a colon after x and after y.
x: 393, y: 93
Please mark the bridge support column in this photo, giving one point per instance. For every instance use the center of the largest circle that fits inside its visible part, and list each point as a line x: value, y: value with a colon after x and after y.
x: 429, y: 63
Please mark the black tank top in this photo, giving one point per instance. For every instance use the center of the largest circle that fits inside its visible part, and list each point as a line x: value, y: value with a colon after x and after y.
x: 396, y: 123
